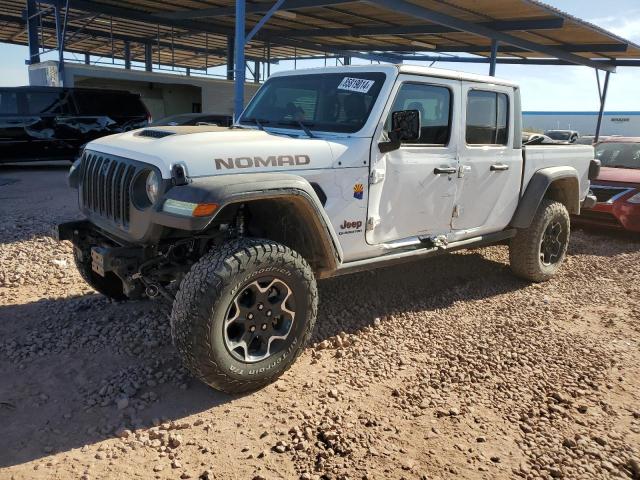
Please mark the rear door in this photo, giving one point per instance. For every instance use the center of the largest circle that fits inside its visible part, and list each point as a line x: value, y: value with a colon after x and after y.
x: 412, y: 189
x: 490, y: 166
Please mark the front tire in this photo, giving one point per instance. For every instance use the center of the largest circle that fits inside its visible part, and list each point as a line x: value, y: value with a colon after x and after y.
x: 537, y: 252
x: 244, y: 313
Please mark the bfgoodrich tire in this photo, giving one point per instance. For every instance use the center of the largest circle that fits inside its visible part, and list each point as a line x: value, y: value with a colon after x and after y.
x: 243, y: 314
x: 109, y: 285
x: 536, y: 253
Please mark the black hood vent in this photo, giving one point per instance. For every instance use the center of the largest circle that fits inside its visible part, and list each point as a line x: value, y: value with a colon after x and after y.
x: 155, y: 133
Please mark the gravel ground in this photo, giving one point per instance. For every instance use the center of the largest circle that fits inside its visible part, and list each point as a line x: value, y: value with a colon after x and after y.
x: 447, y: 368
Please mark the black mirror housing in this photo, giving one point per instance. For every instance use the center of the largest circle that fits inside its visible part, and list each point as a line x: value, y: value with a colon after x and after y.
x: 406, y: 124
x: 405, y: 127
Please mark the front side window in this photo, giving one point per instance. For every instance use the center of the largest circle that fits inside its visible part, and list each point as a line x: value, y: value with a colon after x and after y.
x: 109, y: 104
x: 336, y: 102
x: 8, y: 102
x: 558, y: 135
x: 434, y: 104
x: 487, y: 118
x: 46, y: 103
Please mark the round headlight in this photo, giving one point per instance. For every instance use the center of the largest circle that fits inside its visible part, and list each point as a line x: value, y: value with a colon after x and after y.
x: 152, y: 186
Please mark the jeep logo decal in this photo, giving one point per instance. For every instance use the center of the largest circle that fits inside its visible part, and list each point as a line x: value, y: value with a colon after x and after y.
x: 348, y: 227
x: 270, y: 161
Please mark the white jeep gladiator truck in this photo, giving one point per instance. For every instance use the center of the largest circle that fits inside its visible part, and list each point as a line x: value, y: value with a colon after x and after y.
x: 326, y: 172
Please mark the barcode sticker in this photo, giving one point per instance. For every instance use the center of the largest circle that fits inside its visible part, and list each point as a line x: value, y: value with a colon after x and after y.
x: 360, y: 85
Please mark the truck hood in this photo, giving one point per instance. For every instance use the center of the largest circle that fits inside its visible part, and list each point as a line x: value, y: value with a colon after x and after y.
x: 622, y: 175
x: 211, y: 150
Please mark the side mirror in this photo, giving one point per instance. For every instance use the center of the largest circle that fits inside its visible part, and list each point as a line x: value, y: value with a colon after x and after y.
x: 405, y: 126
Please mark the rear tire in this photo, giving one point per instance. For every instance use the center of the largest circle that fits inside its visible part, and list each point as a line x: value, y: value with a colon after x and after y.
x: 537, y: 252
x: 244, y: 313
x: 109, y: 285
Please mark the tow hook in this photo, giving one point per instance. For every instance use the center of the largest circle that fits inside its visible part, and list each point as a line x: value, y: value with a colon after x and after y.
x: 152, y: 290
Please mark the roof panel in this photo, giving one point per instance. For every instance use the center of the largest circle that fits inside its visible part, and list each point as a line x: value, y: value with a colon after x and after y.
x: 341, y: 28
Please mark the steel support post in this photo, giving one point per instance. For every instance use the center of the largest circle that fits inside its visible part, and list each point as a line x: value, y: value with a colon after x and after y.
x: 494, y: 58
x: 268, y: 59
x: 127, y: 55
x: 256, y: 72
x: 32, y: 32
x: 230, y: 56
x: 148, y: 57
x: 603, y: 100
x: 60, y: 36
x: 239, y: 65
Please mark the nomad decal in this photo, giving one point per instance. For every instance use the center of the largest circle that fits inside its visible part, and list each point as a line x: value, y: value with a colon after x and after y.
x: 358, y: 191
x: 348, y: 227
x: 256, y: 162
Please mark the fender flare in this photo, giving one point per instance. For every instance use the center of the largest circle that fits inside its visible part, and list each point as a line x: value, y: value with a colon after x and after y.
x: 226, y: 190
x: 537, y: 188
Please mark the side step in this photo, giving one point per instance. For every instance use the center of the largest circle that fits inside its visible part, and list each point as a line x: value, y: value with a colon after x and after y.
x: 420, y: 253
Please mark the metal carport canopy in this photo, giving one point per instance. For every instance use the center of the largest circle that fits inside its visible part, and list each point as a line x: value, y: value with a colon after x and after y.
x: 205, y: 33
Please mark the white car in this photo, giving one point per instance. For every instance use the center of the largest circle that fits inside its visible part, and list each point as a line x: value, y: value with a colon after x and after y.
x: 326, y: 172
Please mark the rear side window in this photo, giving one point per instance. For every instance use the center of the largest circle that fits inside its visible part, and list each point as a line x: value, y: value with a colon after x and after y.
x: 8, y: 103
x: 110, y: 104
x: 487, y: 118
x: 46, y: 103
x: 434, y: 104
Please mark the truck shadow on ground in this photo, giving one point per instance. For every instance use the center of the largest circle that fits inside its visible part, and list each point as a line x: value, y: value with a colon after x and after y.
x: 585, y: 239
x: 66, y: 362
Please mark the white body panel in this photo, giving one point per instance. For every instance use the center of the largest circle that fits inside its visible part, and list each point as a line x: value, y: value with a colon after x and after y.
x: 410, y: 202
x: 547, y: 156
x: 486, y: 199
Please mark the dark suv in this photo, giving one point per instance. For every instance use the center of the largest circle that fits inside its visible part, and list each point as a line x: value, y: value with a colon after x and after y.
x: 50, y: 123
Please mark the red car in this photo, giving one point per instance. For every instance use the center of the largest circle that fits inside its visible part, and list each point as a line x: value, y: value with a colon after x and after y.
x: 617, y: 188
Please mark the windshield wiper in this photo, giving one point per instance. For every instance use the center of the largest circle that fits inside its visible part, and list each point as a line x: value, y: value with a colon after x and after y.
x: 258, y: 121
x: 303, y: 126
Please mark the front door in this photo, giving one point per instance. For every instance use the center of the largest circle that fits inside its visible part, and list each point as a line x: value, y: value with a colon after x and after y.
x: 490, y: 166
x: 412, y: 189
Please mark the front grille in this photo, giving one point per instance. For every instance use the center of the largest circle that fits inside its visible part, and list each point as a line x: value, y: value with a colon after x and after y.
x: 106, y: 186
x: 605, y: 193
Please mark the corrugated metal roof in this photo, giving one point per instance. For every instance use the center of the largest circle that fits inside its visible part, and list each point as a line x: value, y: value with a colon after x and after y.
x: 100, y: 27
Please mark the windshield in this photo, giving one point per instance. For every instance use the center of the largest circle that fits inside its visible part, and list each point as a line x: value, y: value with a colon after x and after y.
x: 335, y: 102
x: 619, y: 155
x: 557, y: 135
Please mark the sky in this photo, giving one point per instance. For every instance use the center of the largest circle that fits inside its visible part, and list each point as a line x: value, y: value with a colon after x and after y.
x: 543, y: 87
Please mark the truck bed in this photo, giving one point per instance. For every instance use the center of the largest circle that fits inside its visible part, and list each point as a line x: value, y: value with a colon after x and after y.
x: 579, y: 157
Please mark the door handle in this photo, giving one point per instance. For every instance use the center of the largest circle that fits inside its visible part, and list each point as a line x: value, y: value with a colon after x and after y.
x: 445, y: 170
x: 499, y: 167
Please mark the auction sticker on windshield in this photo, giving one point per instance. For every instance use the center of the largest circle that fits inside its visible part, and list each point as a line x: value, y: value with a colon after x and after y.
x: 360, y: 85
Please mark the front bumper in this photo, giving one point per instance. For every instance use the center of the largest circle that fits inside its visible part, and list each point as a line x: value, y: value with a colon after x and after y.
x: 620, y: 215
x: 105, y: 254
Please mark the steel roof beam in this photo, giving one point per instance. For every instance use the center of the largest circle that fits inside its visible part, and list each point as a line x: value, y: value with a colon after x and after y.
x: 586, y: 47
x: 516, y: 61
x: 142, y: 16
x: 250, y: 8
x: 100, y: 34
x: 357, y: 52
x: 416, y: 11
x: 479, y: 48
x: 507, y: 25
